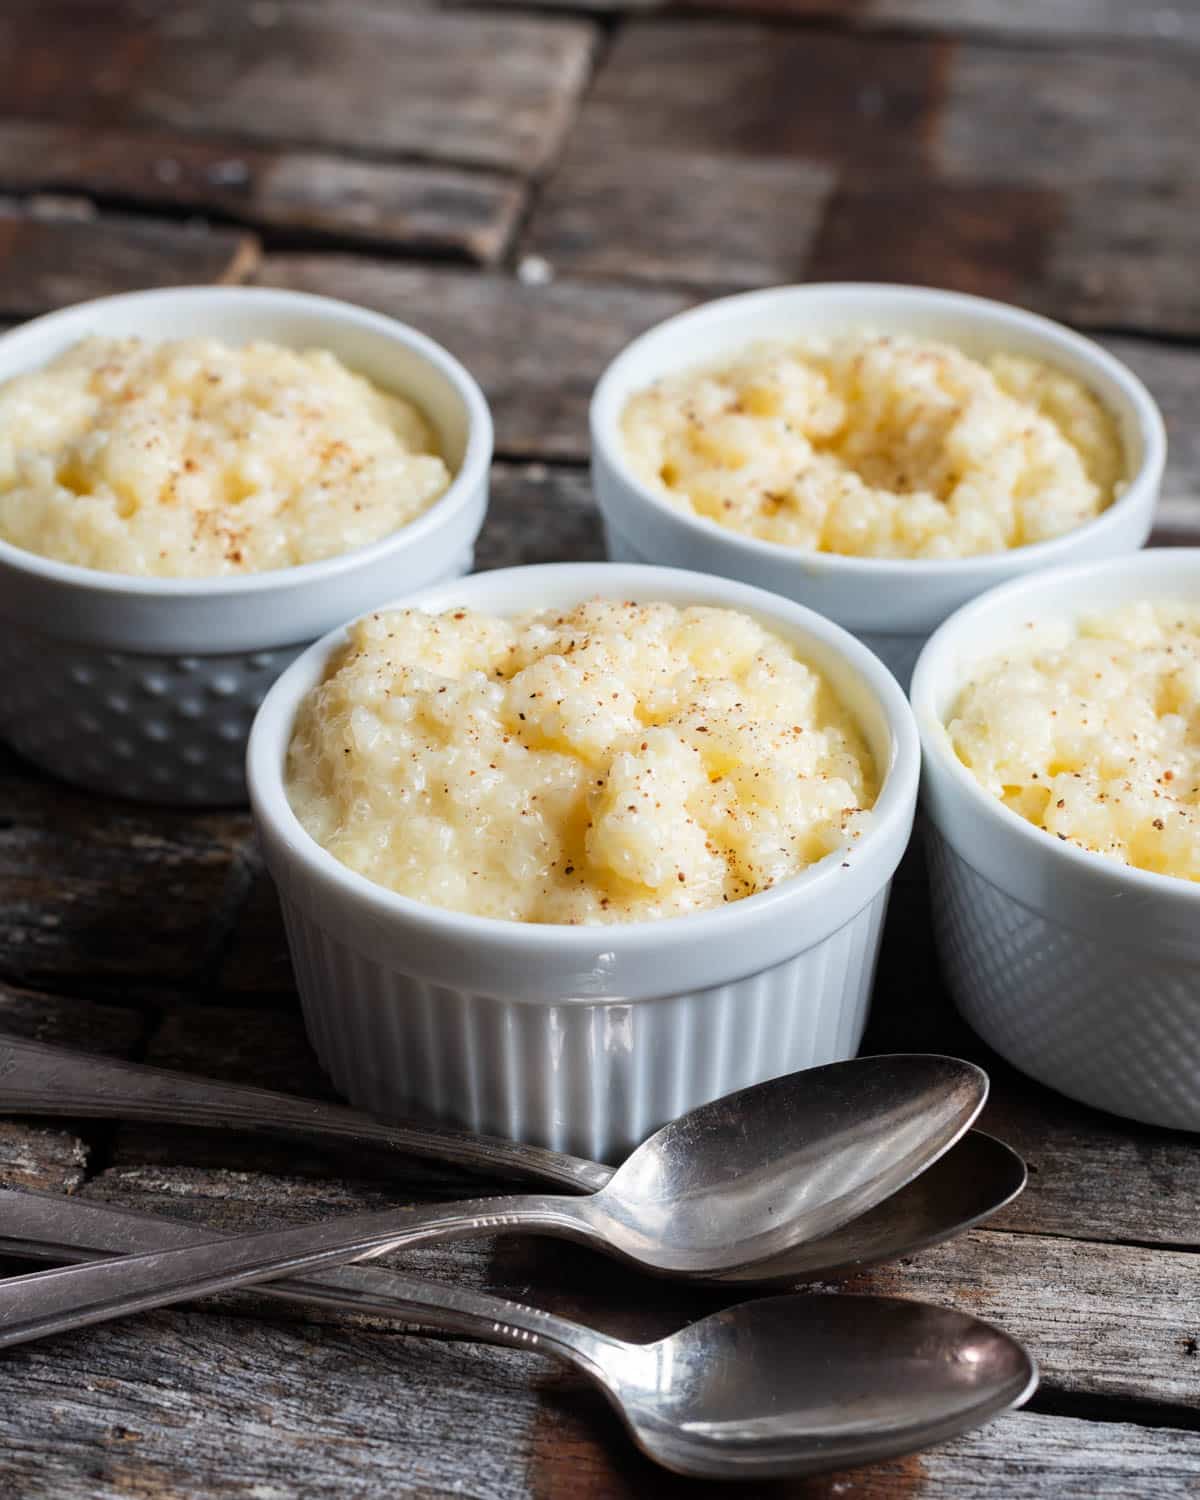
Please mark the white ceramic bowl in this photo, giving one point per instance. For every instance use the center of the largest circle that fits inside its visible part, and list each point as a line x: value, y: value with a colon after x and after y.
x: 1081, y: 971
x: 585, y: 1039
x: 890, y: 604
x: 145, y: 687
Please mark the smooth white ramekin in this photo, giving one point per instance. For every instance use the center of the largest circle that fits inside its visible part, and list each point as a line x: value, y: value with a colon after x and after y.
x: 586, y: 1038
x: 1083, y: 972
x: 145, y: 687
x: 890, y: 604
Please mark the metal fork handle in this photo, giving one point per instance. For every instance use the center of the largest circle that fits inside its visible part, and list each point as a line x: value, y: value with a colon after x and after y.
x: 38, y: 1079
x: 72, y: 1229
x: 49, y: 1302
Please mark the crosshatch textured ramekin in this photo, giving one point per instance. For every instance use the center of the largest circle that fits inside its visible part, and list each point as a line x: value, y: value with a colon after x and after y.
x: 146, y: 687
x: 1082, y: 972
x: 890, y: 604
x: 585, y: 1039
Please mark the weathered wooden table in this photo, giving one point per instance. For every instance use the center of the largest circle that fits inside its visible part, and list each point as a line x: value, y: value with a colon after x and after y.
x: 533, y: 188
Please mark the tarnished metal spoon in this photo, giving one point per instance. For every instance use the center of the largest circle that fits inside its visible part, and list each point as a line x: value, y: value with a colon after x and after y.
x: 974, y: 1179
x: 735, y: 1182
x: 787, y: 1385
x: 786, y: 1162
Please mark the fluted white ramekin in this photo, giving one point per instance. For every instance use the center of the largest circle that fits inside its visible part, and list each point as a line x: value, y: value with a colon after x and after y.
x: 586, y: 1038
x: 890, y: 604
x: 1081, y: 971
x: 145, y: 687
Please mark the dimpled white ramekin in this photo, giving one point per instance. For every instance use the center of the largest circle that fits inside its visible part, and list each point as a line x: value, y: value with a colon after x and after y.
x: 890, y: 604
x: 146, y: 687
x: 1083, y: 972
x: 585, y: 1039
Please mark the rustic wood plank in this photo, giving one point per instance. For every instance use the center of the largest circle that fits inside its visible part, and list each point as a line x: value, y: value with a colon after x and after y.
x: 110, y: 890
x: 536, y: 347
x: 1053, y: 21
x: 680, y: 217
x: 256, y: 963
x: 539, y: 514
x: 188, y: 1405
x: 751, y: 91
x: 896, y: 103
x: 1120, y: 257
x: 45, y: 1157
x: 426, y: 209
x: 1172, y: 374
x: 1026, y: 1455
x: 1061, y: 131
x: 1069, y: 21
x: 726, y: 156
x: 49, y: 260
x: 484, y: 90
x: 38, y: 1154
x: 1119, y: 1321
x: 70, y: 1021
x: 1105, y: 1321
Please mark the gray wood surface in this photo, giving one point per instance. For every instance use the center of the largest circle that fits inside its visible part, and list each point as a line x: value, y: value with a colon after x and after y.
x: 1049, y: 21
x: 490, y: 90
x: 411, y: 205
x: 53, y: 253
x: 533, y: 185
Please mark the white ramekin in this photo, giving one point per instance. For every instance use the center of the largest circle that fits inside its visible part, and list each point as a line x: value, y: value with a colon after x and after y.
x: 890, y: 604
x: 1083, y: 972
x: 585, y: 1039
x: 145, y: 687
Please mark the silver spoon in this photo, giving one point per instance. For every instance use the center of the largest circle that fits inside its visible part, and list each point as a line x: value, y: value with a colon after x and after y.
x: 974, y: 1179
x: 735, y: 1184
x: 782, y: 1386
x: 726, y: 1185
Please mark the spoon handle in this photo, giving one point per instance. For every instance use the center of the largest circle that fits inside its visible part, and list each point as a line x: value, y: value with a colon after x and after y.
x: 38, y: 1079
x: 49, y: 1302
x: 50, y: 1227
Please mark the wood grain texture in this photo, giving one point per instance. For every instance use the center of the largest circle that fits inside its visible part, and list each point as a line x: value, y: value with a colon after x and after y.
x: 486, y: 90
x: 49, y: 258
x: 186, y: 1405
x: 70, y: 1021
x: 684, y: 218
x: 745, y: 91
x: 537, y: 349
x: 419, y: 208
x: 1111, y: 1321
x: 1050, y: 21
x: 1172, y: 374
x: 45, y: 1154
x: 108, y: 891
x: 1021, y: 114
x: 50, y: 1158
x: 724, y: 156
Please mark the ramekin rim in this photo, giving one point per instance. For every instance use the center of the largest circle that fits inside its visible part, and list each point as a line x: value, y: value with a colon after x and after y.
x: 938, y: 755
x: 608, y: 449
x: 897, y: 795
x: 471, y: 472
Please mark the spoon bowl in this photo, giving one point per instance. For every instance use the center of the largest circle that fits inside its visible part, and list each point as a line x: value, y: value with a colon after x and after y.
x: 976, y: 1178
x: 797, y: 1385
x: 748, y: 1177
